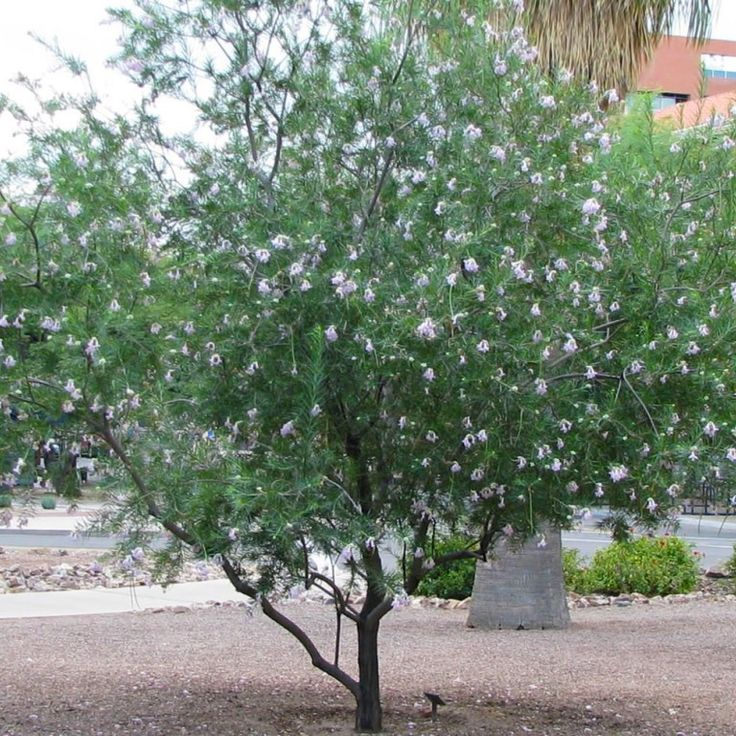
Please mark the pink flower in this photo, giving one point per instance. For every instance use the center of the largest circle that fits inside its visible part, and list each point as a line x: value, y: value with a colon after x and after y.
x: 427, y: 329
x: 618, y: 473
x: 570, y: 345
x: 92, y: 347
x: 710, y: 430
x: 591, y: 206
x: 498, y: 153
x: 331, y: 334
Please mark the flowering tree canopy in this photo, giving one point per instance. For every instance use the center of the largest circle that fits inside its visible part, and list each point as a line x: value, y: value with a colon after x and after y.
x: 399, y: 280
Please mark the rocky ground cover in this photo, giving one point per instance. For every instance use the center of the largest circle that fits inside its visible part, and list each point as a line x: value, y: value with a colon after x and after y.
x: 44, y: 570
x: 648, y: 670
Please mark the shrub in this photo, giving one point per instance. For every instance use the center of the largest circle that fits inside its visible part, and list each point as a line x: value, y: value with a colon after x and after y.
x: 454, y: 580
x: 574, y: 571
x: 48, y: 502
x: 6, y: 500
x: 649, y: 566
x: 730, y: 566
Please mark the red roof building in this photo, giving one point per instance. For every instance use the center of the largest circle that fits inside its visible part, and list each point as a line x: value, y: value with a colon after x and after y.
x: 680, y: 71
x: 699, y: 111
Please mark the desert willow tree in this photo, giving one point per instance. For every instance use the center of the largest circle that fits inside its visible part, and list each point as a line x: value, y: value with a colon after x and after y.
x: 389, y: 288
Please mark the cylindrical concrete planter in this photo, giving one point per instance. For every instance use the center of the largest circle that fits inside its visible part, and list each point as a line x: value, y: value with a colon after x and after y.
x: 521, y: 588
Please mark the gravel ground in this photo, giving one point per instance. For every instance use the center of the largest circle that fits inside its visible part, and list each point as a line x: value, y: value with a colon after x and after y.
x: 647, y: 670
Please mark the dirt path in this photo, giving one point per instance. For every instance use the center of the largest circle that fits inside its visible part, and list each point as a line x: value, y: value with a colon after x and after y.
x: 651, y: 670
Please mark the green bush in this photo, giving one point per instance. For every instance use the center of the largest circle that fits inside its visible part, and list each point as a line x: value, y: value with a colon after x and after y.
x: 649, y: 566
x: 48, y: 502
x: 574, y: 570
x: 6, y: 500
x: 730, y: 565
x: 454, y: 580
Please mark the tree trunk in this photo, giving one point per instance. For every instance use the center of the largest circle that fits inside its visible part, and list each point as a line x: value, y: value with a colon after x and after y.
x: 521, y: 589
x: 368, y: 715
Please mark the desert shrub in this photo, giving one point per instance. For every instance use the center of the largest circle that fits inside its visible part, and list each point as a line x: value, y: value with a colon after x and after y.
x: 454, y: 580
x: 574, y: 570
x: 48, y: 502
x: 64, y: 477
x: 6, y: 500
x: 652, y: 566
x: 730, y: 565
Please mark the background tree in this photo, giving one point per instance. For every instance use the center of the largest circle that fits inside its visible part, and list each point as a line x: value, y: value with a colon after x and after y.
x: 390, y: 288
x: 608, y: 41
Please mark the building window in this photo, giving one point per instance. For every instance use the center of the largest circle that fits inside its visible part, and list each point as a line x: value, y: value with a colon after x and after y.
x: 717, y: 66
x: 667, y: 99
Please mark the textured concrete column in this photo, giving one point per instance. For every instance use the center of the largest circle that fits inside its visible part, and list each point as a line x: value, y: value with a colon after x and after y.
x: 521, y: 587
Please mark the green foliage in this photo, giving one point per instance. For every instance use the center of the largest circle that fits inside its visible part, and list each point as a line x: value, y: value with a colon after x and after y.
x: 48, y: 502
x: 453, y: 580
x: 574, y: 570
x: 64, y: 477
x: 651, y: 566
x: 618, y: 524
x: 397, y: 281
x: 730, y: 565
x: 6, y: 501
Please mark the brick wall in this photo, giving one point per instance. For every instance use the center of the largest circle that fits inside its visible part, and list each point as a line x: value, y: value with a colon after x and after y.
x: 675, y: 67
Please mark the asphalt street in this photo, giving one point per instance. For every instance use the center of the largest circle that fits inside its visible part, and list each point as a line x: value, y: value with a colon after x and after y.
x: 712, y: 536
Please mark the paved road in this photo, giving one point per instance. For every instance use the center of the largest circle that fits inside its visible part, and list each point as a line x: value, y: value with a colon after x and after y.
x: 712, y: 536
x: 60, y: 539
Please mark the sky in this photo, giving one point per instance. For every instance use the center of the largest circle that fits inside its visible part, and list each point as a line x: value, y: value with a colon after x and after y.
x: 79, y: 26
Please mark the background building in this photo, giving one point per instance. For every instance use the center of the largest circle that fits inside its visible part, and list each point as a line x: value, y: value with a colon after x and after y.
x: 680, y: 71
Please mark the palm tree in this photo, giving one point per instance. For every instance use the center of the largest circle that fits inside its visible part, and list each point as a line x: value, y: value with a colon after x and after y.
x: 609, y: 40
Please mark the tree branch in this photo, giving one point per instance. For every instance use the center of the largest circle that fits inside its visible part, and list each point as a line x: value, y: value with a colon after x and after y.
x: 640, y: 401
x: 344, y: 606
x: 30, y: 226
x: 296, y: 631
x: 105, y: 433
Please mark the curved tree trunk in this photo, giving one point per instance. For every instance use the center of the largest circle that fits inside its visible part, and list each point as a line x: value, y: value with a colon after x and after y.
x: 368, y: 714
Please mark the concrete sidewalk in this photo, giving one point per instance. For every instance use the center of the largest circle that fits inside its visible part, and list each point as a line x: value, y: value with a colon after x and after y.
x: 115, y: 600
x: 62, y: 518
